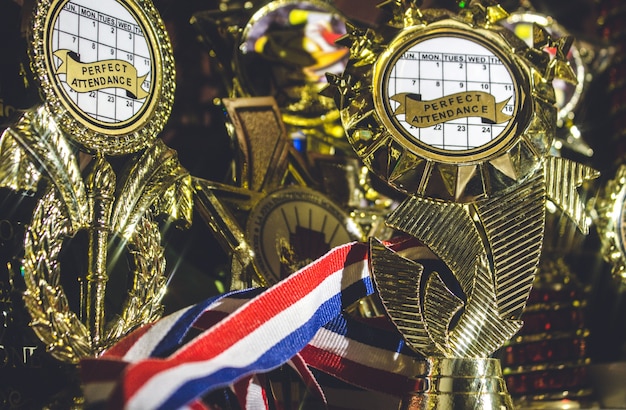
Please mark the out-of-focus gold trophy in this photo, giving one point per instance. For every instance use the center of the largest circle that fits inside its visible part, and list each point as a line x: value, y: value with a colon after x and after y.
x: 458, y: 113
x: 282, y: 49
x: 91, y: 155
x: 610, y: 218
x: 271, y: 220
x: 282, y: 208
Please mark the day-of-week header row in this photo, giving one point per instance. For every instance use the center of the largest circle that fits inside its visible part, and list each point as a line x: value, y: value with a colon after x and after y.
x: 103, y: 18
x: 450, y: 58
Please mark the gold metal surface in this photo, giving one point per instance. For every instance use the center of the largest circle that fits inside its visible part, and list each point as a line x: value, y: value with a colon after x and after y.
x: 494, y: 272
x: 563, y: 179
x: 417, y: 168
x: 460, y: 384
x: 123, y: 135
x: 261, y: 140
x: 610, y: 221
x: 73, y: 203
x: 43, y: 150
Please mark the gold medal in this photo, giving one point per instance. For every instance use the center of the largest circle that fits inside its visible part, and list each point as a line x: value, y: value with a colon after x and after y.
x: 106, y: 71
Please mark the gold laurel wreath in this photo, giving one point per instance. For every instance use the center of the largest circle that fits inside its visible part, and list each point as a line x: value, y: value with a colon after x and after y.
x: 58, y: 327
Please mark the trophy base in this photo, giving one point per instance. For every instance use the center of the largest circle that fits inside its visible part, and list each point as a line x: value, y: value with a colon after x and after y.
x: 460, y: 384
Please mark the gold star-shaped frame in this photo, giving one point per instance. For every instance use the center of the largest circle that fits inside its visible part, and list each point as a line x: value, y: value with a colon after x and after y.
x: 376, y: 100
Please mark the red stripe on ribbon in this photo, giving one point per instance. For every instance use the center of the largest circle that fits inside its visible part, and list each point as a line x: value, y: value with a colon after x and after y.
x: 229, y: 331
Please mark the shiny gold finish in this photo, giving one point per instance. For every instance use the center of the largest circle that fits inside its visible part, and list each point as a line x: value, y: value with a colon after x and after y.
x: 225, y: 226
x: 478, y: 204
x: 459, y: 384
x: 262, y: 142
x: 610, y: 221
x: 39, y: 153
x: 495, y: 297
x: 72, y: 204
x: 240, y: 219
x: 417, y: 168
x: 566, y: 176
x: 122, y: 135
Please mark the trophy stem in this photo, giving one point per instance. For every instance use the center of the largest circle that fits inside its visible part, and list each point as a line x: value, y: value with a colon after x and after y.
x: 100, y: 188
x: 458, y: 383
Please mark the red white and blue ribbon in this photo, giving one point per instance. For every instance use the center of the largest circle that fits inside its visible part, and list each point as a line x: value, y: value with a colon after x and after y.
x: 231, y: 340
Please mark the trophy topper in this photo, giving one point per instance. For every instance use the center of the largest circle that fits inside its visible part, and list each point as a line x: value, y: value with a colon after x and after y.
x: 105, y: 70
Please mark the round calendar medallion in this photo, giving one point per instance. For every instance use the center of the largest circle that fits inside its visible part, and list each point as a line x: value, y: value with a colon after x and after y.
x: 106, y: 69
x: 448, y: 110
x: 449, y: 95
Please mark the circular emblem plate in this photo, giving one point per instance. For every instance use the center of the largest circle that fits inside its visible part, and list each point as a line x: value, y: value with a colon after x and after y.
x: 292, y: 227
x: 106, y: 69
x: 448, y: 95
x: 447, y: 110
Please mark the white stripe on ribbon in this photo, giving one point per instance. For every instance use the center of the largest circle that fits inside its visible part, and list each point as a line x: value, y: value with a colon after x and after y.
x: 161, y: 386
x: 370, y: 356
x: 145, y: 345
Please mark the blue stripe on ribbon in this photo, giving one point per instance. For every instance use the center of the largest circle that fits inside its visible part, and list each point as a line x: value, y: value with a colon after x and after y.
x: 175, y: 335
x: 277, y: 355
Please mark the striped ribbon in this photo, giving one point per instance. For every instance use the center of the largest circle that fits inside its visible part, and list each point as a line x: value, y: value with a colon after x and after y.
x: 232, y: 340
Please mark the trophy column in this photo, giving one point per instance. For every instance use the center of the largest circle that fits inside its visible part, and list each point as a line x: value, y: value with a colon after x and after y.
x: 460, y: 384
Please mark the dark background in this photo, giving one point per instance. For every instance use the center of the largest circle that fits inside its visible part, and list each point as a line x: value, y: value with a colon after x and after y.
x: 200, y: 268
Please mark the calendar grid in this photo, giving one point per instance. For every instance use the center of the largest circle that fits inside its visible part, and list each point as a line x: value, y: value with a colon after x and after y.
x: 110, y: 105
x: 434, y: 75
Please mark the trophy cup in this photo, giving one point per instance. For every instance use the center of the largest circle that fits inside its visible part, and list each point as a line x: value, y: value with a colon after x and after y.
x: 90, y: 155
x: 458, y: 113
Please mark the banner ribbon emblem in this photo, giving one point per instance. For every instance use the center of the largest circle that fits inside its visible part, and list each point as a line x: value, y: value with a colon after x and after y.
x: 424, y: 114
x: 85, y: 77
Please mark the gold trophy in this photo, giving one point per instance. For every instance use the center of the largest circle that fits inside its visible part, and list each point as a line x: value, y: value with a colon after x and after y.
x: 91, y: 154
x: 281, y: 48
x: 458, y: 113
x: 271, y: 221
